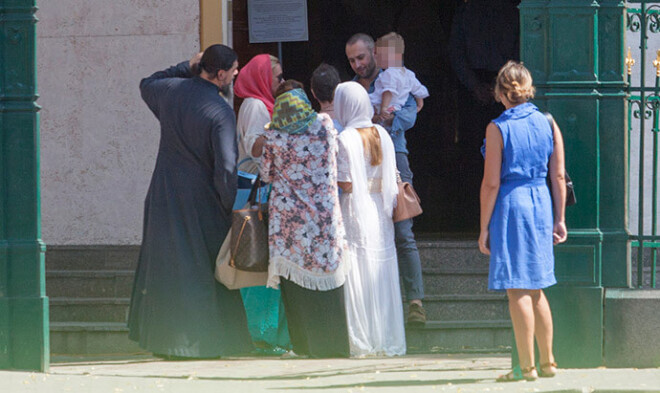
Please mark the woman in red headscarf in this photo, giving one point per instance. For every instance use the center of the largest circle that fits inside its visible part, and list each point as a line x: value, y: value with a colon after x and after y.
x: 256, y: 84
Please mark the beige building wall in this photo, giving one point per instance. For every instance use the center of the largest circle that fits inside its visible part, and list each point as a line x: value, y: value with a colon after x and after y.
x: 98, y: 139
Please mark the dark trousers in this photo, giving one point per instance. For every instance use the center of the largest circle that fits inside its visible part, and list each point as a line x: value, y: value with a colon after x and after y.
x: 317, y: 321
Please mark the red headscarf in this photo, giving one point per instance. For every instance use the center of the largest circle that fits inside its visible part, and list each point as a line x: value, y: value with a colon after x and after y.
x: 255, y: 80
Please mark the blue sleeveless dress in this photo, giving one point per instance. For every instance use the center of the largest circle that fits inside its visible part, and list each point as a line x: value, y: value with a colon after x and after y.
x: 522, y: 221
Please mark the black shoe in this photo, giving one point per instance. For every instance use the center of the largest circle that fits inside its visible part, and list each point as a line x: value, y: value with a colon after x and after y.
x: 416, y: 316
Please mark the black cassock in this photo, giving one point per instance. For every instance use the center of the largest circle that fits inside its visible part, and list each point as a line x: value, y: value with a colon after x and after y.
x: 177, y: 306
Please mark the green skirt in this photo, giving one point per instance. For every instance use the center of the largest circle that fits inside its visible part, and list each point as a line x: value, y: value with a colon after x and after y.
x: 266, y: 320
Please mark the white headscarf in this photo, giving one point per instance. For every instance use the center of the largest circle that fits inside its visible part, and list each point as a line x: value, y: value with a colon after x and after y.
x: 353, y: 110
x: 351, y: 107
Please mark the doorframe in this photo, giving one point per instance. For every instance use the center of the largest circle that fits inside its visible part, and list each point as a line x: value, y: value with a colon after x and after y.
x: 214, y: 23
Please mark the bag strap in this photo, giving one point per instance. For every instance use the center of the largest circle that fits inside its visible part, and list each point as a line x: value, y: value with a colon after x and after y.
x: 551, y: 121
x: 252, y: 198
x: 243, y: 161
x: 232, y: 263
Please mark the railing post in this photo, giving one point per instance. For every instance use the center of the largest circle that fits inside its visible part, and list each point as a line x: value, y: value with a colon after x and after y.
x: 24, y: 342
x: 575, y: 50
x: 613, y: 149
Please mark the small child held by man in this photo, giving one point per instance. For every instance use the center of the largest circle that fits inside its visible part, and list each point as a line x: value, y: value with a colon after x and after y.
x: 395, y: 83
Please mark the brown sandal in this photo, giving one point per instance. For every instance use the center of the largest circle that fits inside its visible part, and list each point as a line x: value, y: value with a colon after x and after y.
x: 527, y: 374
x: 548, y: 370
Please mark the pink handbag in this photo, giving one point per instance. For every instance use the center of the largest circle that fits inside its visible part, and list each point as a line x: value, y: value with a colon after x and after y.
x: 407, y: 203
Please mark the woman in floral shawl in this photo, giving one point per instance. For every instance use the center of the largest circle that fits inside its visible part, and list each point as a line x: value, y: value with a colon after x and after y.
x: 306, y: 233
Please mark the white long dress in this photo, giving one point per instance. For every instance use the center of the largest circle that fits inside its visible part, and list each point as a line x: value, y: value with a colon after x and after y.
x: 372, y: 293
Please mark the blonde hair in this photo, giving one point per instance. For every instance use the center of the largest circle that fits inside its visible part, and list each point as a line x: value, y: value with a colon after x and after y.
x: 274, y: 61
x: 371, y: 143
x: 392, y: 39
x: 514, y: 81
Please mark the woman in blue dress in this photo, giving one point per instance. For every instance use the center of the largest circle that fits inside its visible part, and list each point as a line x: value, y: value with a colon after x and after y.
x: 520, y: 219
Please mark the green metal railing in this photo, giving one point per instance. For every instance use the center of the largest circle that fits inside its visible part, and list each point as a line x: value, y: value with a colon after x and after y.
x: 643, y: 17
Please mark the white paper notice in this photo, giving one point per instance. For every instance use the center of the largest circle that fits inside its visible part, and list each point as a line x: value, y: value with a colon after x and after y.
x: 277, y: 20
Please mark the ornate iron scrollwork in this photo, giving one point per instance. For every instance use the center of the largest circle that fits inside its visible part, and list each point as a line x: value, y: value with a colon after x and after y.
x: 652, y: 103
x: 633, y: 21
x: 638, y: 112
x: 651, y: 18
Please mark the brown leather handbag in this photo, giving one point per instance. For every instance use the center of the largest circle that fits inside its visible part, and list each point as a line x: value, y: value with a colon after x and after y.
x: 407, y: 202
x: 231, y: 277
x: 249, y: 234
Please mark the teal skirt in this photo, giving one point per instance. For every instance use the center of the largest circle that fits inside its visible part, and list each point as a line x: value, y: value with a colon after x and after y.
x: 263, y: 306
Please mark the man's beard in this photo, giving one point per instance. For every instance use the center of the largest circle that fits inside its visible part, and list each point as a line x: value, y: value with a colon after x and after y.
x: 370, y: 69
x: 226, y: 90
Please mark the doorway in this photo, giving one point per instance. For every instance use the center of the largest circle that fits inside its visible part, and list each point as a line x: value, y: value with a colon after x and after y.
x: 444, y: 145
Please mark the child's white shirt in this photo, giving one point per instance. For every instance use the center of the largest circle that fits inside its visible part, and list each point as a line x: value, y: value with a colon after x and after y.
x: 401, y: 82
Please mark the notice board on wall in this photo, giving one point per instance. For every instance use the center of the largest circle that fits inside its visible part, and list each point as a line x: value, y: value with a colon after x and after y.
x: 277, y: 20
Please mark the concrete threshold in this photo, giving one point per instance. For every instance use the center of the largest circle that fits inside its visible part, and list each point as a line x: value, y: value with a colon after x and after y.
x: 412, y: 373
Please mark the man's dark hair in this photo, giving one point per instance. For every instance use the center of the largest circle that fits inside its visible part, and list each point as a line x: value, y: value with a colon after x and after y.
x: 325, y: 79
x: 288, y: 85
x: 215, y: 58
x: 368, y: 41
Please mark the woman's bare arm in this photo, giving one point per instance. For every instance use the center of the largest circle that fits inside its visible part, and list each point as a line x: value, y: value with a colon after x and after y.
x: 558, y: 182
x: 490, y: 184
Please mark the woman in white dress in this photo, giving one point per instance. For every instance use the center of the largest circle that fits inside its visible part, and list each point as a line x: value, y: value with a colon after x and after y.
x: 367, y: 176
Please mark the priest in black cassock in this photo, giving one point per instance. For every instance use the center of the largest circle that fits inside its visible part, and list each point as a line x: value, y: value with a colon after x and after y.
x: 178, y: 309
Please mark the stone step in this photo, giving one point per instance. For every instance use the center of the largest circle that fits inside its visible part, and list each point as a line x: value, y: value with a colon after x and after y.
x: 434, y: 253
x: 90, y: 287
x: 89, y: 284
x: 89, y: 309
x: 92, y: 257
x: 466, y: 307
x: 74, y: 338
x: 68, y: 338
x: 438, y: 307
x: 455, y: 254
x: 460, y: 336
x: 94, y: 284
x: 441, y: 281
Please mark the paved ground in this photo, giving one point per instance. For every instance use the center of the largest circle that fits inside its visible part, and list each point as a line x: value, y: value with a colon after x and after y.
x: 409, y: 374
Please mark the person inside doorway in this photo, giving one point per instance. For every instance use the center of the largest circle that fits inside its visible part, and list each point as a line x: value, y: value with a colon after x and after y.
x: 361, y: 56
x: 484, y: 36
